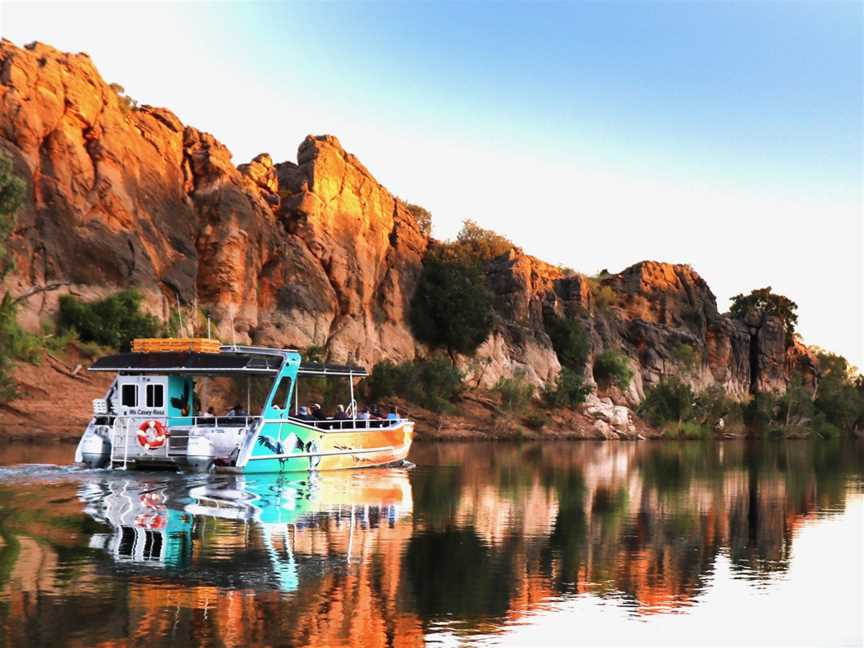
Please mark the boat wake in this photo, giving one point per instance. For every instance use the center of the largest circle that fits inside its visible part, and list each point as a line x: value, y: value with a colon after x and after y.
x: 31, y: 472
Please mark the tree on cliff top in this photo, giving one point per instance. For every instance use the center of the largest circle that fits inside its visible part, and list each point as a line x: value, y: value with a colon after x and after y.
x: 763, y: 303
x: 422, y: 216
x: 452, y: 307
x: 474, y: 245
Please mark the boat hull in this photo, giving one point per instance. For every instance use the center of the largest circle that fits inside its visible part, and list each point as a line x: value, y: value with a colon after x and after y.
x: 289, y: 447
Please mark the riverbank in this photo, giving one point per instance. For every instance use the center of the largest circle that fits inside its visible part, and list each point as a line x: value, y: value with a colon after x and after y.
x: 55, y: 404
x: 55, y: 398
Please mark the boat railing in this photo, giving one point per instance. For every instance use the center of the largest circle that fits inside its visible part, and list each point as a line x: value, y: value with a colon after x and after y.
x: 213, y: 421
x: 348, y: 424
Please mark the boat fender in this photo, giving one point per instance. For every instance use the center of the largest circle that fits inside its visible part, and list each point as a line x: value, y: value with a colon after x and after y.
x: 152, y: 434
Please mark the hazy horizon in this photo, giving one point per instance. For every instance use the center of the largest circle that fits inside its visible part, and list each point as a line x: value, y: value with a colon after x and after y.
x: 726, y: 136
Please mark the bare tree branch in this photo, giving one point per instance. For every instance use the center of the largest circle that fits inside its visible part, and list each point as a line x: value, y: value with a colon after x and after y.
x: 35, y: 290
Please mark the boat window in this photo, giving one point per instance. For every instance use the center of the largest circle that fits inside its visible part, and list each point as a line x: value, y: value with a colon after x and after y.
x: 283, y: 391
x: 155, y: 395
x: 129, y: 395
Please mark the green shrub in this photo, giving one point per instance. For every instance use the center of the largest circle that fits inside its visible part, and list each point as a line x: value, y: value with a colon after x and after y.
x: 126, y: 102
x: 452, y: 307
x: 686, y: 357
x: 611, y: 368
x: 669, y: 401
x: 604, y: 296
x: 432, y: 383
x: 14, y: 343
x: 825, y: 429
x: 713, y: 404
x: 569, y: 339
x: 534, y: 421
x: 314, y: 353
x: 11, y: 196
x: 385, y: 380
x: 516, y: 393
x: 113, y: 322
x: 761, y: 410
x: 569, y: 391
x: 688, y: 430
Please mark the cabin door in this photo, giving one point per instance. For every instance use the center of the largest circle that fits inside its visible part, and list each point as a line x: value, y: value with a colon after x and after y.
x: 143, y: 396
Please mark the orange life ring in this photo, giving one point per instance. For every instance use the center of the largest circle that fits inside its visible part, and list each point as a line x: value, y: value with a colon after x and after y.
x: 152, y: 500
x: 152, y: 434
x: 152, y: 521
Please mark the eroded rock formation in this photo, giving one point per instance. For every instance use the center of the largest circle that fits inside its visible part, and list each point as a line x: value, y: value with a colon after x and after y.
x: 308, y: 253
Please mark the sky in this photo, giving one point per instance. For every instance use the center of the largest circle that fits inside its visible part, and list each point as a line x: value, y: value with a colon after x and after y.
x: 725, y: 135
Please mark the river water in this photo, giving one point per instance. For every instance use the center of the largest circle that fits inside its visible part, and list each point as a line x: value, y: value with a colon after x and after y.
x: 563, y: 543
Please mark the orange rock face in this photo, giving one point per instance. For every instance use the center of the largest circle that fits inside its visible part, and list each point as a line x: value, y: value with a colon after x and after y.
x: 312, y: 253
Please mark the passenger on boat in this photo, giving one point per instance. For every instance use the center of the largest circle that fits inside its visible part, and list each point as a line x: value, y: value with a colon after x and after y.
x: 393, y: 414
x: 304, y: 414
x: 375, y: 411
x: 318, y: 413
x: 364, y: 414
x: 237, y: 410
x: 341, y: 414
x: 209, y: 413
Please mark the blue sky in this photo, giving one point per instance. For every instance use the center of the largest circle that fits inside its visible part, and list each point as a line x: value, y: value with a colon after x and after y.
x: 721, y: 134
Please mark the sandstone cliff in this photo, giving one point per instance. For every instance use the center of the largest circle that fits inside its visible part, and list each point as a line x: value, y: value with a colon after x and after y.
x: 308, y: 253
x: 312, y: 253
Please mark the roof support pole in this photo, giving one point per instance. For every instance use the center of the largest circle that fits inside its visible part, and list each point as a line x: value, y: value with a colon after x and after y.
x: 353, y: 404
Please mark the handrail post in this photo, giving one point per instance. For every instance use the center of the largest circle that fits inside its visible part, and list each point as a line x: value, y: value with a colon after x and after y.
x: 126, y: 445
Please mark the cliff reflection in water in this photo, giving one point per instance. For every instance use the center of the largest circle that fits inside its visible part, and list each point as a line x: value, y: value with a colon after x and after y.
x: 476, y: 537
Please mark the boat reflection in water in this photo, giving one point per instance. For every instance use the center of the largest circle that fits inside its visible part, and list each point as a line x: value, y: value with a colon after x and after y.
x: 158, y: 523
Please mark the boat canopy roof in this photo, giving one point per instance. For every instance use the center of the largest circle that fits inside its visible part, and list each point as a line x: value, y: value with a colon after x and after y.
x: 189, y: 362
x: 215, y: 363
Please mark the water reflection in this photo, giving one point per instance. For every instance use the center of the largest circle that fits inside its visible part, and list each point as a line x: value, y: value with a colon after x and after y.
x: 477, y: 538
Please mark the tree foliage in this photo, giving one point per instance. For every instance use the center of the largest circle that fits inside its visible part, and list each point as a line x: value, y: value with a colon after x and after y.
x: 11, y: 195
x: 422, y: 216
x: 516, y: 392
x: 686, y: 357
x: 669, y: 401
x: 764, y: 303
x: 475, y: 244
x: 452, y: 306
x: 569, y: 391
x: 611, y: 368
x: 840, y: 393
x: 569, y: 339
x: 127, y: 103
x: 12, y: 339
x: 433, y: 383
x: 114, y: 321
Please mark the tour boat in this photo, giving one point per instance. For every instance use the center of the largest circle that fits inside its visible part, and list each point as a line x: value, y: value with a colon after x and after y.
x: 151, y: 418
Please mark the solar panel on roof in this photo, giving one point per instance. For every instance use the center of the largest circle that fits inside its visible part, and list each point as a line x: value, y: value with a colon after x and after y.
x: 188, y: 361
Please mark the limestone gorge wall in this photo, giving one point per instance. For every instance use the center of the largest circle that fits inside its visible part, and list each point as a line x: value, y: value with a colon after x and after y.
x: 315, y: 252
